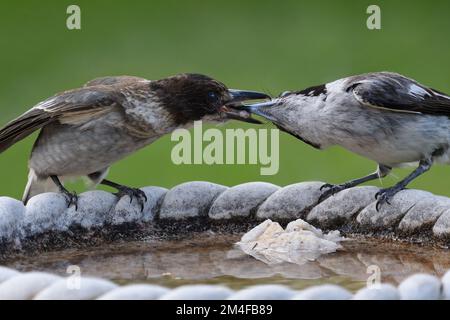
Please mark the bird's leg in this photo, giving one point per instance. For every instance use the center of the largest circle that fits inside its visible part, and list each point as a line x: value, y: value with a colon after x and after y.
x: 127, y: 191
x: 384, y: 195
x: 331, y: 189
x: 72, y: 198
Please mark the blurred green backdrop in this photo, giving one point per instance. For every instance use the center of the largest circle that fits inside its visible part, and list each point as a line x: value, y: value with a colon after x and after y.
x: 262, y: 45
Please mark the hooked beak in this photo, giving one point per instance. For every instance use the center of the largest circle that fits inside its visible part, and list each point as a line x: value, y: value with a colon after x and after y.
x: 241, y: 95
x: 260, y: 109
x: 233, y: 109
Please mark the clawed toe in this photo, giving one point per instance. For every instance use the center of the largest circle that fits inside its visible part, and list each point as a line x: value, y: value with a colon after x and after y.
x: 138, y: 194
x: 384, y: 196
x: 71, y: 198
x: 331, y: 190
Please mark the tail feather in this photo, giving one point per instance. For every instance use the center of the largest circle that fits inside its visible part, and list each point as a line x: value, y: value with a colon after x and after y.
x: 35, y: 186
x: 22, y: 127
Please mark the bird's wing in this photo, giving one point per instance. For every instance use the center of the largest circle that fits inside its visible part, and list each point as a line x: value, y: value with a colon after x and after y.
x: 394, y: 92
x: 113, y: 80
x: 67, y: 106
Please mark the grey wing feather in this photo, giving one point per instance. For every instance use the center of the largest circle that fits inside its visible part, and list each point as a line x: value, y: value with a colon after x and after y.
x: 113, y: 80
x: 89, y: 99
x: 398, y: 93
x: 22, y: 127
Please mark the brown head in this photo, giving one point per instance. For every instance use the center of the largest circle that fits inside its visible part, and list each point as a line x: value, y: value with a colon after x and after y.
x: 191, y: 97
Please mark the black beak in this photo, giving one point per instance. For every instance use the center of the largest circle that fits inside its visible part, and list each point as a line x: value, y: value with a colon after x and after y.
x: 233, y: 108
x: 241, y: 95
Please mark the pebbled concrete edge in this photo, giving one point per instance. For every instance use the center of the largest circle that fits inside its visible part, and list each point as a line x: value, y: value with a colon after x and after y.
x: 46, y: 221
x: 44, y: 286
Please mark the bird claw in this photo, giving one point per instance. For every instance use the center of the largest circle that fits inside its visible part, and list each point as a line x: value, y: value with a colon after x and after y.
x: 138, y: 194
x: 384, y: 196
x: 332, y: 189
x: 71, y: 198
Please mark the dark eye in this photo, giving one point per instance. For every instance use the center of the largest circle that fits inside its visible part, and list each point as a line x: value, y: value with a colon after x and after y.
x: 212, y: 96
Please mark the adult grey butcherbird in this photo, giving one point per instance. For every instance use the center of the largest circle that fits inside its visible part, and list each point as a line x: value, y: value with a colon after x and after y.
x: 85, y: 130
x: 383, y: 116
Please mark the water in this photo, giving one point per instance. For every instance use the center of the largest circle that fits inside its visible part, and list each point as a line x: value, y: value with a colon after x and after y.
x: 211, y: 258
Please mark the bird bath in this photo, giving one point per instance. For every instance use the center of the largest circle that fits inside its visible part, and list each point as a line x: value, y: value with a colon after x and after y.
x: 186, y: 235
x: 211, y: 258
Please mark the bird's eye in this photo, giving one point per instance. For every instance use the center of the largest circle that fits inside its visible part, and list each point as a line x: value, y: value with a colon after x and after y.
x: 212, y: 96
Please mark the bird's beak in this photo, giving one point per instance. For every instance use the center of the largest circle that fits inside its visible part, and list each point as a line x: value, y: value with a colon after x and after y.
x: 260, y: 109
x: 241, y: 95
x: 233, y: 108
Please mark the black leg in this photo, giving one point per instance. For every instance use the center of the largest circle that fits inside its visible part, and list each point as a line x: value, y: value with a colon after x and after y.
x: 127, y: 191
x: 72, y: 198
x: 384, y: 195
x: 331, y: 189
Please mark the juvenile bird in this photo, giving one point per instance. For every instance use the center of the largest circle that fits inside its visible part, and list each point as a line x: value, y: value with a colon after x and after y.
x: 383, y: 116
x: 85, y: 130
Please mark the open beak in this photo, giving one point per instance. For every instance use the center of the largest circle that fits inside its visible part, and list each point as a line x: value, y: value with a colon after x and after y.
x: 233, y: 109
x: 260, y: 109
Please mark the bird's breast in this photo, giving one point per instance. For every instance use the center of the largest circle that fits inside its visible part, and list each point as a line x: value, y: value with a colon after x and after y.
x: 387, y: 137
x: 63, y: 149
x: 392, y: 138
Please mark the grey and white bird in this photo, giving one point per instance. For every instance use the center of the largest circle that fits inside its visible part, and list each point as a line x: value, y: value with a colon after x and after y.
x: 384, y: 116
x: 85, y: 130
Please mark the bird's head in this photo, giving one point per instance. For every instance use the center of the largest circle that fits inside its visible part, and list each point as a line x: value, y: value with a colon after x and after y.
x: 190, y: 97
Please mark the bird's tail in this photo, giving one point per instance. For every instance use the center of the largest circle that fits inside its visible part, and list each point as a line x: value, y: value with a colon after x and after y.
x: 35, y: 186
x: 22, y: 127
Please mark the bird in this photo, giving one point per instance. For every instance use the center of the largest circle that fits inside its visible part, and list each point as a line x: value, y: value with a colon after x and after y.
x: 383, y: 116
x: 85, y: 130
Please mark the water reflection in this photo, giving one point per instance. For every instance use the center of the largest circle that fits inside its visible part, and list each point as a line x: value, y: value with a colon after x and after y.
x: 211, y: 258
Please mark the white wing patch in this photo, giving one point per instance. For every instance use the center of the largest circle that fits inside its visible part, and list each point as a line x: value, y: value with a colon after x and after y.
x: 335, y: 86
x: 418, y: 91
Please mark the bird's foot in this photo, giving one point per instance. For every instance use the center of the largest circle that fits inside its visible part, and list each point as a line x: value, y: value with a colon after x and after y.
x: 136, y: 193
x: 385, y: 195
x: 71, y: 198
x: 331, y: 189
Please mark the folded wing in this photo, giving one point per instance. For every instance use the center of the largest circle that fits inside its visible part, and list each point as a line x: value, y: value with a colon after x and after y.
x: 85, y: 100
x: 395, y: 92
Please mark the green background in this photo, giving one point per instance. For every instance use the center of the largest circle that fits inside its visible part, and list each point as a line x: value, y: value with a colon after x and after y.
x: 270, y: 46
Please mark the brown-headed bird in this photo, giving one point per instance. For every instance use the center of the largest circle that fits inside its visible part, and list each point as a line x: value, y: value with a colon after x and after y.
x: 85, y: 130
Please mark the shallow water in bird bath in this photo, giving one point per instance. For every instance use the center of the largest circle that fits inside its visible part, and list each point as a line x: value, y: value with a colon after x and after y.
x: 212, y: 258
